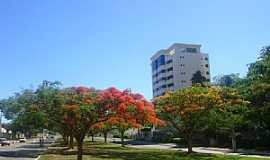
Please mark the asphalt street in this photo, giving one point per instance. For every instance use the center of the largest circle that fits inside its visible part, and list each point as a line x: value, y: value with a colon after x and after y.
x: 21, y: 151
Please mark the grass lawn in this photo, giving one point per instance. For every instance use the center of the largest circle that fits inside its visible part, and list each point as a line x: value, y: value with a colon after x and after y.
x: 100, y: 151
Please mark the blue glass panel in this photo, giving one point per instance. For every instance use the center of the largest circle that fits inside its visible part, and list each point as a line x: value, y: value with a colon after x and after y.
x: 158, y: 62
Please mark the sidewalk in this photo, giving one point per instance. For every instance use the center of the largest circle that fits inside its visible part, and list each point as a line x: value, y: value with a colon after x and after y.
x: 209, y: 150
x: 173, y: 146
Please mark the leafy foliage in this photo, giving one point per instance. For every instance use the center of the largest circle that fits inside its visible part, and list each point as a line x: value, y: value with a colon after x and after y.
x: 226, y: 80
x: 127, y: 110
x: 186, y: 108
x: 231, y: 116
x: 198, y: 78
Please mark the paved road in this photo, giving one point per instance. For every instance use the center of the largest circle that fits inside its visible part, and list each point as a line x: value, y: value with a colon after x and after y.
x: 21, y: 151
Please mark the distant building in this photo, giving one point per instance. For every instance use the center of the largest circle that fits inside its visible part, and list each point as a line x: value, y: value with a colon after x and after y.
x: 174, y: 67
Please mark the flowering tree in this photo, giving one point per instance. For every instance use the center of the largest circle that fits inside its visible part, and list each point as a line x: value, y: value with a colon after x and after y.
x: 81, y: 111
x: 102, y: 127
x: 231, y: 116
x: 185, y: 109
x: 128, y: 110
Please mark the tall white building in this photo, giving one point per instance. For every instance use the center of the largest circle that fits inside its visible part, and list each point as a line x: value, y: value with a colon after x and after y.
x: 174, y: 67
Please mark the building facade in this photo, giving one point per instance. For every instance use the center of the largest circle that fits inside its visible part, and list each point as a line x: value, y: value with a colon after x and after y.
x: 174, y: 67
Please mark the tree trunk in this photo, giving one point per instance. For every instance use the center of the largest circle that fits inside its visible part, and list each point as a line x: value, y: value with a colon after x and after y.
x: 189, y: 139
x: 212, y: 141
x: 80, y: 150
x: 105, y: 134
x: 27, y: 134
x: 41, y: 142
x: 71, y: 144
x: 122, y: 132
x: 79, y: 139
x: 92, y: 135
x: 234, y: 148
x: 30, y: 135
x: 65, y: 139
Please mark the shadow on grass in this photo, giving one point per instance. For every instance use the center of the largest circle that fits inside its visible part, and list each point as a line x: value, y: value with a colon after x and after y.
x: 113, y: 151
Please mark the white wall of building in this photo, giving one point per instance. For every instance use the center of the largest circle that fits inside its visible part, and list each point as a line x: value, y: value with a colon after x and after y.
x: 181, y: 62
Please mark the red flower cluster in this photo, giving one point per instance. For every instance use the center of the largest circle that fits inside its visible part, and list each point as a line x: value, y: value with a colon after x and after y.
x: 129, y: 110
x: 114, y: 107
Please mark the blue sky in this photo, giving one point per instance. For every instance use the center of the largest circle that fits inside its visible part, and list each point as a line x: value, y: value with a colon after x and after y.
x: 104, y: 43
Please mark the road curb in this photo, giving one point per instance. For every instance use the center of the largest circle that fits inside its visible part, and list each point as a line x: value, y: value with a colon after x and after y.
x: 37, y: 158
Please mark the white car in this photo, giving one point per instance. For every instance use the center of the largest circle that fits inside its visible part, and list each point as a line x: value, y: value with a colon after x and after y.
x: 22, y: 140
x: 4, y: 142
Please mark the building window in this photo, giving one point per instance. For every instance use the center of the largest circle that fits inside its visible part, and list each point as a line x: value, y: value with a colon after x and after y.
x: 169, y: 61
x: 207, y: 73
x: 158, y: 62
x: 206, y: 65
x: 161, y: 60
x: 183, y: 81
x: 206, y: 58
x: 191, y: 50
x: 163, y: 86
x: 182, y: 65
x: 183, y: 73
x: 170, y: 69
x: 170, y: 77
x: 163, y: 78
x: 182, y: 57
x: 156, y: 75
x: 170, y: 85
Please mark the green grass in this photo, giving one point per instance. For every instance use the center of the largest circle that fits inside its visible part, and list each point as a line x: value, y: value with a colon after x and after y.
x: 100, y: 151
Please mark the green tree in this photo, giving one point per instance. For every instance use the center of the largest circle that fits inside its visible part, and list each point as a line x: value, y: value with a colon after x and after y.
x: 259, y: 96
x: 226, y: 80
x: 22, y: 109
x: 185, y: 109
x: 198, y: 78
x: 260, y: 70
x: 231, y: 116
x: 31, y: 110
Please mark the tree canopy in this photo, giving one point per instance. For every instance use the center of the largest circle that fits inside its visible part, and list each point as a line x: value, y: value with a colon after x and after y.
x: 198, y: 78
x: 185, y: 109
